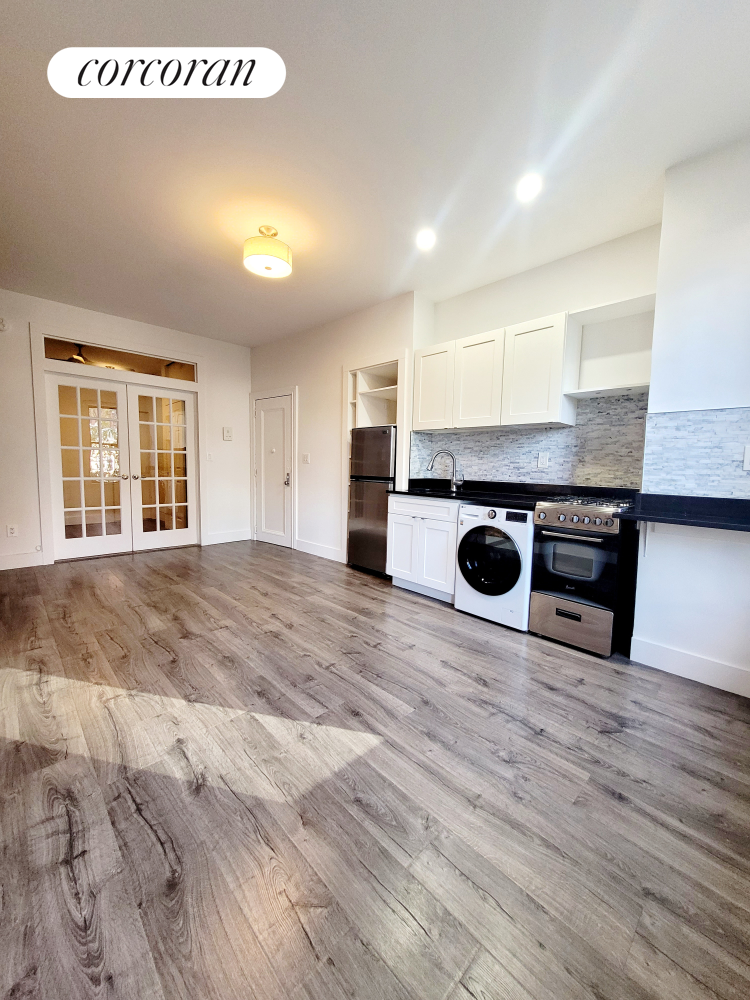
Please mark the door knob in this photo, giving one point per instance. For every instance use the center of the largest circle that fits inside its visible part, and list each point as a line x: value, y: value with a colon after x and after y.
x: 123, y: 476
x: 136, y: 477
x: 287, y: 481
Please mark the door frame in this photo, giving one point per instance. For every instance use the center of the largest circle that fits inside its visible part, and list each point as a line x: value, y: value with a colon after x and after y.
x: 292, y: 391
x: 40, y: 366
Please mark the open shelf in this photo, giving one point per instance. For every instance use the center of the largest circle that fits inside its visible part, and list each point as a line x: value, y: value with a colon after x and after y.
x: 616, y: 342
x: 610, y: 390
x: 384, y: 392
x: 373, y: 394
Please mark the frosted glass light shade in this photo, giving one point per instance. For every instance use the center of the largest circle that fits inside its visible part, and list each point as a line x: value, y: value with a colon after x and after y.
x: 268, y: 257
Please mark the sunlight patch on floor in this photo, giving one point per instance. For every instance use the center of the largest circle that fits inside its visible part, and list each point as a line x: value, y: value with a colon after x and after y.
x: 135, y: 729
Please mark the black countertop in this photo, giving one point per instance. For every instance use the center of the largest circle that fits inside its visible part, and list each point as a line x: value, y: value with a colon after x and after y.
x: 700, y: 512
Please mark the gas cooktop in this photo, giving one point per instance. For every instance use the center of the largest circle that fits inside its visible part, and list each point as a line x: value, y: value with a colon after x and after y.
x: 575, y: 501
x: 581, y: 513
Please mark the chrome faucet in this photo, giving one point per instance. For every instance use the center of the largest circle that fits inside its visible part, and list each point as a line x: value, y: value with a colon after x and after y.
x: 456, y: 479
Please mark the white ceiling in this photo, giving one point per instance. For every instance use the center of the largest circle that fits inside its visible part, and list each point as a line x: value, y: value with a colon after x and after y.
x: 395, y: 114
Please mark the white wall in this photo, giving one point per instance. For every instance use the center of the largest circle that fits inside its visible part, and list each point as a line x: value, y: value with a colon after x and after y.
x: 693, y: 599
x: 315, y: 362
x: 624, y: 268
x: 224, y: 375
x: 693, y: 604
x: 701, y: 353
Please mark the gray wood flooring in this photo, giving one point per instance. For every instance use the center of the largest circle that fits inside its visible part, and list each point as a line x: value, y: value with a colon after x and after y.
x: 243, y: 772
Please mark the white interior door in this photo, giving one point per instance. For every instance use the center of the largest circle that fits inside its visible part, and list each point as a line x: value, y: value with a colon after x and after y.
x: 163, y: 489
x: 273, y: 470
x: 88, y: 431
x: 123, y: 467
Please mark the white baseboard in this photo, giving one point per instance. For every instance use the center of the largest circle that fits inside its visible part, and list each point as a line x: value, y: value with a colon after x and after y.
x: 324, y: 551
x: 20, y: 560
x: 219, y: 537
x: 696, y: 668
x: 417, y: 588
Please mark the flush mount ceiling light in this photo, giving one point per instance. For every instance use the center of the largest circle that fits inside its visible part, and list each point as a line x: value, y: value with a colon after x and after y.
x: 529, y: 187
x: 267, y: 256
x: 426, y: 239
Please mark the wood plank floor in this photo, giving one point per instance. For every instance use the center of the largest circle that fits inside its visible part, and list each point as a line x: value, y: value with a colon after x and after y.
x: 244, y: 772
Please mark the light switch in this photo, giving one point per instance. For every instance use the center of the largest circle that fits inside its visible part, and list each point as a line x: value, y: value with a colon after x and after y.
x: 305, y: 459
x: 746, y: 461
x: 227, y: 433
x: 543, y: 460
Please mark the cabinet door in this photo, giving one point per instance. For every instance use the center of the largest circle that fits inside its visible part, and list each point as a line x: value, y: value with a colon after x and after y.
x: 540, y: 357
x: 437, y: 555
x: 478, y: 380
x: 433, y: 386
x: 403, y: 546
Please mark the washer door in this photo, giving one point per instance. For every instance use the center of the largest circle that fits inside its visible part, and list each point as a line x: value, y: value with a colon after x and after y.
x: 489, y: 560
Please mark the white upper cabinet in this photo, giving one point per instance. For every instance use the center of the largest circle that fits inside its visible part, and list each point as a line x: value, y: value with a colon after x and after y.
x: 542, y: 359
x: 478, y: 380
x: 433, y: 386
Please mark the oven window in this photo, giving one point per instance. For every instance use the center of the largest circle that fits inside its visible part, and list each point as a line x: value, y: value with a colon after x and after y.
x: 570, y: 561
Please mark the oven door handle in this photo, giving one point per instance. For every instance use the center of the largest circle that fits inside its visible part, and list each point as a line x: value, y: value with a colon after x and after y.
x: 580, y: 538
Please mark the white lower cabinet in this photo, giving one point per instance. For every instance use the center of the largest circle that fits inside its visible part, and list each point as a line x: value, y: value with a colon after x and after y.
x: 403, y: 547
x: 436, y: 565
x: 422, y: 544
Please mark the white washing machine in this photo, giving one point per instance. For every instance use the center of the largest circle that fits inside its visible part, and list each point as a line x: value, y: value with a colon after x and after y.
x: 493, y: 569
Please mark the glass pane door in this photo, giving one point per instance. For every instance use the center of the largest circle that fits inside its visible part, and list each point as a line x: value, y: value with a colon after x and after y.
x: 91, y: 498
x: 162, y: 457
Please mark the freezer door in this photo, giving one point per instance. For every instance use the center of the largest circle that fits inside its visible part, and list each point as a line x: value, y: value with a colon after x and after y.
x: 368, y: 525
x: 374, y: 452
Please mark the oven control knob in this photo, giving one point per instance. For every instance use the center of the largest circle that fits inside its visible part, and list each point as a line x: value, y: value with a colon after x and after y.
x: 560, y: 517
x: 491, y: 514
x: 597, y: 520
x: 575, y: 519
x: 542, y: 515
x: 587, y: 520
x: 609, y: 522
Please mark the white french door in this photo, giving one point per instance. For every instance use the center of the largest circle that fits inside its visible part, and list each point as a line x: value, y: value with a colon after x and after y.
x: 123, y: 466
x: 161, y: 429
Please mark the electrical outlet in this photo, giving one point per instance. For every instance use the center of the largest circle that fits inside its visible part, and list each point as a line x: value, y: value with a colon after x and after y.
x: 12, y: 530
x: 543, y: 460
x: 227, y: 433
x: 305, y: 459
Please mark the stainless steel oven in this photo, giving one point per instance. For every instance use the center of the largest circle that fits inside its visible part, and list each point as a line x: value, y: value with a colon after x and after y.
x: 583, y: 579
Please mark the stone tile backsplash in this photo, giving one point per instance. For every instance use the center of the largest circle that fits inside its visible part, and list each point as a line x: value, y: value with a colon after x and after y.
x: 605, y: 448
x: 697, y: 453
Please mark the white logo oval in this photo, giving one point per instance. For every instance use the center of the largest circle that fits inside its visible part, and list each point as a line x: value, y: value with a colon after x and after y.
x: 126, y: 71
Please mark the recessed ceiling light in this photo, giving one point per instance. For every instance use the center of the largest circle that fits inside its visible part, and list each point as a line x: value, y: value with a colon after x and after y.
x: 267, y: 256
x: 426, y: 239
x: 529, y: 187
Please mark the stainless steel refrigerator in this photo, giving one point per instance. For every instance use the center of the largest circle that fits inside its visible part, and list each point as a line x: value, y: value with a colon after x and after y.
x: 371, y: 478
